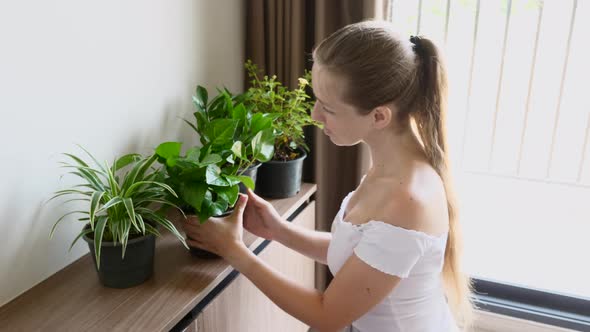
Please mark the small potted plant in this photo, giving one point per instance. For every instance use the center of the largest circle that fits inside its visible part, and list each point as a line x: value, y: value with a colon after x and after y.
x: 207, y: 185
x: 226, y: 116
x: 120, y: 216
x: 226, y: 127
x: 290, y: 111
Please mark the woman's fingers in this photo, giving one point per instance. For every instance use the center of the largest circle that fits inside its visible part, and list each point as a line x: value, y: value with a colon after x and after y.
x: 240, y: 206
x: 194, y: 229
x: 252, y: 197
x: 193, y: 243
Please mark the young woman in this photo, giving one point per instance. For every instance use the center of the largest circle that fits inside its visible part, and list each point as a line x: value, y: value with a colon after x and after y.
x: 395, y: 243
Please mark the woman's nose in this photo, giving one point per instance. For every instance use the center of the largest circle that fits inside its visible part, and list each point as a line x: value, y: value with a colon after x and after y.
x: 316, y: 113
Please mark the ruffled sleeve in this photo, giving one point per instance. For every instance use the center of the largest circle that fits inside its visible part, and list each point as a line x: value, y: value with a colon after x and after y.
x: 390, y: 249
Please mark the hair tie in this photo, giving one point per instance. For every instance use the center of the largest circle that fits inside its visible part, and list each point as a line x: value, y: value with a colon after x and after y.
x: 417, y: 44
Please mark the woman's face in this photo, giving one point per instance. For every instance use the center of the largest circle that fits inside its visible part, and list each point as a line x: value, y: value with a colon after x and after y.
x: 342, y: 123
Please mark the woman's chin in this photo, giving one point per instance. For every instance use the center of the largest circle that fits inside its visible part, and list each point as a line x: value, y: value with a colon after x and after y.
x: 337, y: 142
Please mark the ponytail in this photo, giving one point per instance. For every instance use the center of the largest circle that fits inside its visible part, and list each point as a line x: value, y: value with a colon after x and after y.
x: 429, y: 116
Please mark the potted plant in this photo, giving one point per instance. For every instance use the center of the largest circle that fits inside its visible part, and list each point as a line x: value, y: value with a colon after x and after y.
x: 206, y: 183
x: 226, y: 127
x: 120, y: 215
x: 290, y: 111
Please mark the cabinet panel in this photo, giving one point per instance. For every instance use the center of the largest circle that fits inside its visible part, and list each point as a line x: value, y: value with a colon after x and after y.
x: 242, y: 307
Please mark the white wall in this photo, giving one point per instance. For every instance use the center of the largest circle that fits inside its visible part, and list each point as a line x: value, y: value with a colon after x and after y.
x: 113, y: 76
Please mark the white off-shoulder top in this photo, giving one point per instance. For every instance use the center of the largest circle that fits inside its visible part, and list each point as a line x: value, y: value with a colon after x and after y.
x: 417, y: 303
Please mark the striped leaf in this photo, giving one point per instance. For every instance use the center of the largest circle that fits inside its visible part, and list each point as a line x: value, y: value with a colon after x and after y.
x: 98, y: 233
x: 82, y: 233
x: 131, y: 212
x: 94, y: 203
x: 62, y: 218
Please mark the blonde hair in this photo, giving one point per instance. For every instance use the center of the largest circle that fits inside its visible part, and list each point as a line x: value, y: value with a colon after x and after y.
x: 386, y: 68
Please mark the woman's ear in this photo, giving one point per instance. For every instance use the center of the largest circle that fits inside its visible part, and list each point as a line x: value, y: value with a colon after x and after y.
x: 382, y: 116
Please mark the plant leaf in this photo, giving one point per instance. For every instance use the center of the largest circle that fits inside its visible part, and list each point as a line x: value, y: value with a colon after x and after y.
x: 213, y: 176
x: 136, y: 185
x: 210, y: 159
x: 168, y: 149
x: 112, y: 202
x: 202, y: 123
x: 260, y: 122
x: 140, y: 222
x: 239, y: 113
x: 194, y: 153
x: 220, y: 132
x: 88, y: 169
x: 247, y: 181
x: 229, y: 194
x: 62, y: 218
x: 150, y: 229
x: 237, y: 149
x: 211, y: 208
x: 137, y: 173
x: 162, y: 221
x: 131, y: 213
x: 91, y: 156
x: 98, y: 233
x: 190, y: 124
x: 202, y: 95
x: 193, y: 193
x: 263, y: 145
x: 232, y: 179
x: 94, y: 203
x: 78, y: 160
x: 126, y: 160
x: 91, y: 178
x: 124, y: 237
x: 82, y: 233
x: 69, y: 192
x: 112, y: 182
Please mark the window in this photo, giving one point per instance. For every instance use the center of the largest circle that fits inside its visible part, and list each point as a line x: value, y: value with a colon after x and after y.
x: 519, y: 127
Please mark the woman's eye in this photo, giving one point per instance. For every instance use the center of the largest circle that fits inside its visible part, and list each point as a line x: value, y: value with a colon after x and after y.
x: 327, y: 110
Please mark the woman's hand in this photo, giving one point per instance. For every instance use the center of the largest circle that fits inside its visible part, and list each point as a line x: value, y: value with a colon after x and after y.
x: 261, y: 218
x: 222, y: 236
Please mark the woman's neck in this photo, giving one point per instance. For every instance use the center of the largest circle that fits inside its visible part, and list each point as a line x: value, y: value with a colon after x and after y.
x: 393, y: 153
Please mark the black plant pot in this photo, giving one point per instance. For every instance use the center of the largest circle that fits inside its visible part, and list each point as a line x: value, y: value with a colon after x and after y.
x: 252, y: 172
x: 201, y: 253
x: 280, y: 179
x: 134, y: 269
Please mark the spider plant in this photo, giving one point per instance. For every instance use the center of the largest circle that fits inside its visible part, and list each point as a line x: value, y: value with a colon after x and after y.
x: 120, y: 200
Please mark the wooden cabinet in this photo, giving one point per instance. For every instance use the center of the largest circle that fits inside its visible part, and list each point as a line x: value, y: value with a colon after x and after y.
x: 242, y: 307
x: 183, y: 287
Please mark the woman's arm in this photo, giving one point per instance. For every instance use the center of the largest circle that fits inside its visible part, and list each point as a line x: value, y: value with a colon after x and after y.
x: 356, y: 288
x: 313, y: 244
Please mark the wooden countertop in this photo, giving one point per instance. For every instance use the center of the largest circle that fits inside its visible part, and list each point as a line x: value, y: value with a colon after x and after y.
x: 74, y: 300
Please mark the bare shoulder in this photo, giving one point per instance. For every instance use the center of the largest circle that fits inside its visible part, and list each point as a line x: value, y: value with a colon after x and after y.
x: 416, y: 201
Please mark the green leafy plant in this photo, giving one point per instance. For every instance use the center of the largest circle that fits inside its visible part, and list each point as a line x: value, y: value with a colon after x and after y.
x: 122, y: 200
x: 228, y: 128
x: 207, y: 184
x: 289, y: 109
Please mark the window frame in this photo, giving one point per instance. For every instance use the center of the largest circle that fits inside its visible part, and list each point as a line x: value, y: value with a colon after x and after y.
x: 532, y: 304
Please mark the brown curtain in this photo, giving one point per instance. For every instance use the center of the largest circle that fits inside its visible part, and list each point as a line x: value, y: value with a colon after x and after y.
x: 280, y: 36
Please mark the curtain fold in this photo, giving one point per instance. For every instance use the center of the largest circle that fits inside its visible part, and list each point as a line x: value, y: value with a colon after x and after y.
x: 280, y: 36
x: 275, y: 38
